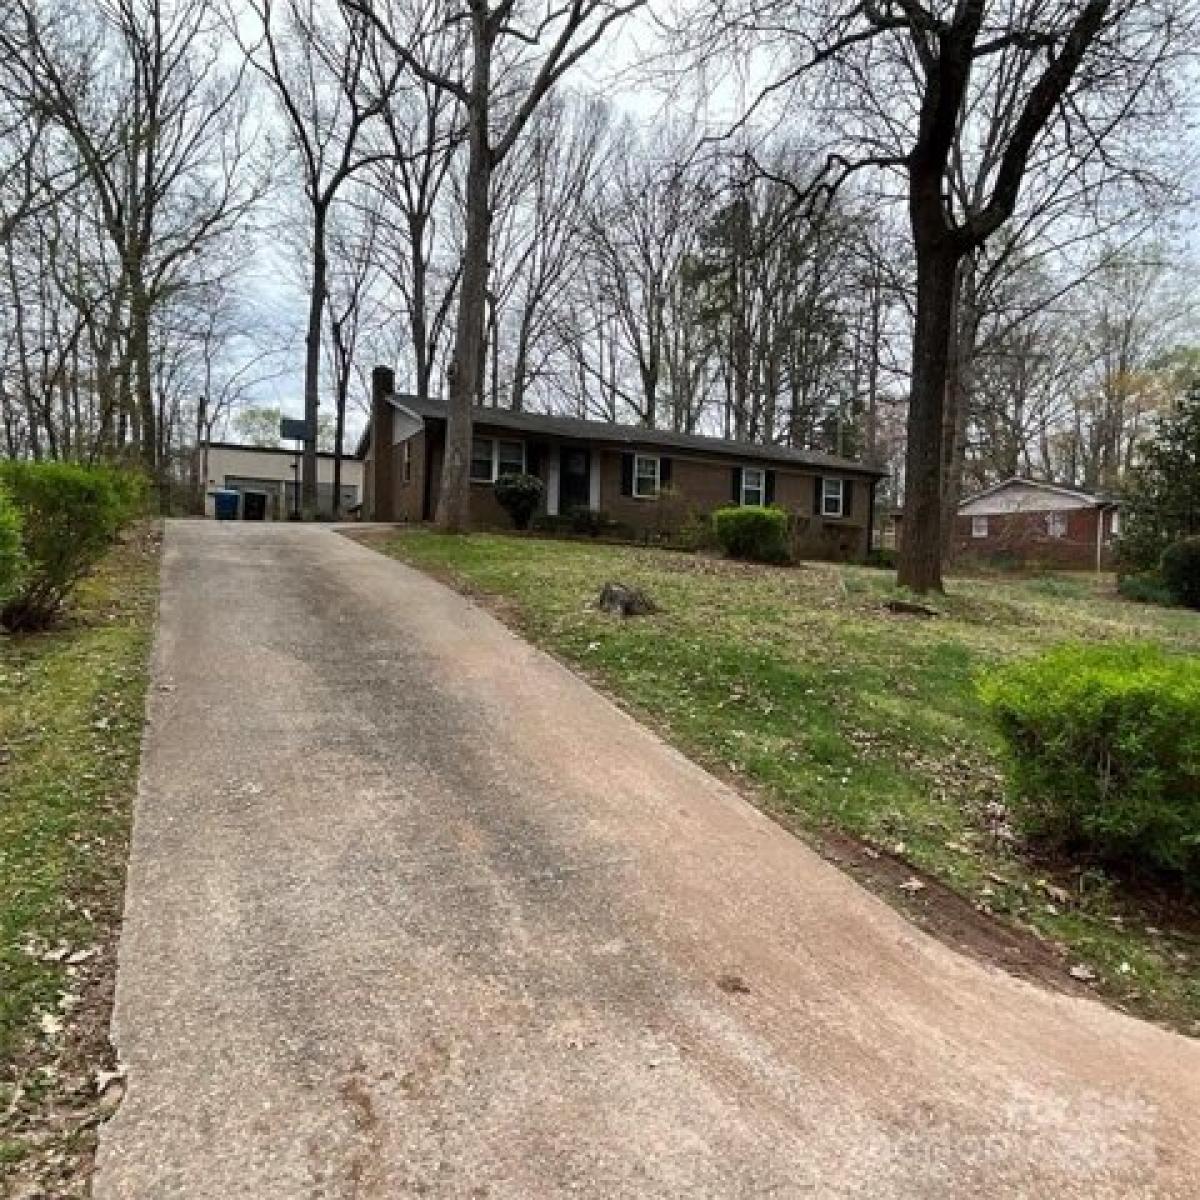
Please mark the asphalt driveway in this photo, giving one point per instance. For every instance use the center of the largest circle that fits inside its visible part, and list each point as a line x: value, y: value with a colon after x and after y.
x: 414, y: 912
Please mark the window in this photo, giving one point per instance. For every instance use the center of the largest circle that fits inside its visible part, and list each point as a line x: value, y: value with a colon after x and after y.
x: 1114, y: 527
x: 831, y: 497
x: 979, y: 527
x: 754, y: 485
x: 1056, y: 524
x: 406, y: 462
x: 482, y: 450
x: 491, y: 458
x: 645, y: 476
x: 510, y: 458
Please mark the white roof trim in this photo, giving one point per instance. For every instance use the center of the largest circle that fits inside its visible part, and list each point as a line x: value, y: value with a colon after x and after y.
x: 1058, y: 489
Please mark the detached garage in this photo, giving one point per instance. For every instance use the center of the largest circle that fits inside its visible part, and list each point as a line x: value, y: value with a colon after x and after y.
x: 264, y: 481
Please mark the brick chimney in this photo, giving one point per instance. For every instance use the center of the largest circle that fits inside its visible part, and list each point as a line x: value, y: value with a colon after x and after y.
x: 383, y: 494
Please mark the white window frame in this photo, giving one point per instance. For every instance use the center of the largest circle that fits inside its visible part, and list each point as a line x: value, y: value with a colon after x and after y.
x: 1114, y: 523
x: 838, y: 496
x: 1056, y: 525
x: 406, y: 462
x: 979, y: 527
x: 638, y: 459
x: 495, y: 444
x: 760, y: 488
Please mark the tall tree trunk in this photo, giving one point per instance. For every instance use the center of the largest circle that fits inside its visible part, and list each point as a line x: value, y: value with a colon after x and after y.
x: 921, y: 548
x: 143, y: 372
x: 418, y: 317
x: 959, y: 390
x: 312, y: 364
x: 343, y: 390
x: 454, y: 501
x: 521, y: 363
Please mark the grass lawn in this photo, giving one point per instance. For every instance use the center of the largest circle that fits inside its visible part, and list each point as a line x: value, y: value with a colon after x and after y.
x: 71, y: 713
x: 842, y: 718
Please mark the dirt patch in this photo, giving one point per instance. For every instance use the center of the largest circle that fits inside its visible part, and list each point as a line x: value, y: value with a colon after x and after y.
x: 948, y: 915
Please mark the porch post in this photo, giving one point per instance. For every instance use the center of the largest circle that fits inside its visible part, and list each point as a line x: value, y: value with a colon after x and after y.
x: 553, y: 474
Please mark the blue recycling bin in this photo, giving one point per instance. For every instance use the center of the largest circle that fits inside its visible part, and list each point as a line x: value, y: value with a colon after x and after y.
x: 225, y: 504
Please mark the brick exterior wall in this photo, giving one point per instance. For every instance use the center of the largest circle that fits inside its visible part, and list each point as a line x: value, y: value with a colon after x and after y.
x: 409, y: 492
x: 1023, y: 538
x: 698, y: 486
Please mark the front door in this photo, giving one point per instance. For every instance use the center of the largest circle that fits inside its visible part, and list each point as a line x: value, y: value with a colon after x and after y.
x: 575, y: 486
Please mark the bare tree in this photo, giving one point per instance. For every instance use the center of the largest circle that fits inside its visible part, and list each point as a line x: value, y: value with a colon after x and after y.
x: 320, y: 63
x: 155, y: 122
x: 423, y: 134
x: 544, y: 248
x: 352, y: 276
x: 908, y: 80
x: 512, y: 67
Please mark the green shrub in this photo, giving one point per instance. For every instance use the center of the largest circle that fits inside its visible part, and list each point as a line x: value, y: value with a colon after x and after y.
x: 696, y: 533
x: 754, y: 532
x: 1180, y: 571
x: 585, y: 521
x: 70, y: 515
x: 12, y: 552
x: 1104, y: 752
x: 882, y: 556
x: 1147, y: 587
x: 519, y: 496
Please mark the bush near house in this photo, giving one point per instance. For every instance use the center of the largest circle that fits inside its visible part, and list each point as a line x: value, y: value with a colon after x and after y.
x: 519, y: 496
x: 1104, y: 752
x: 69, y: 516
x: 1180, y: 571
x: 753, y: 532
x: 1146, y: 587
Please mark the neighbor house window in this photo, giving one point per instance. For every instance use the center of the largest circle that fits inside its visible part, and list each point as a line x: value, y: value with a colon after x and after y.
x: 979, y: 527
x: 1115, y: 525
x: 646, y: 474
x: 406, y: 462
x: 493, y: 457
x: 1056, y: 524
x: 754, y: 485
x: 832, y: 493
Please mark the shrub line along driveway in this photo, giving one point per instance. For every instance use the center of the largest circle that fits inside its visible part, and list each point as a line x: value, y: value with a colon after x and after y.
x: 414, y: 911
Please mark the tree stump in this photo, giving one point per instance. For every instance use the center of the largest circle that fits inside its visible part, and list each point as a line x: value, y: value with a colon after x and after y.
x: 624, y: 601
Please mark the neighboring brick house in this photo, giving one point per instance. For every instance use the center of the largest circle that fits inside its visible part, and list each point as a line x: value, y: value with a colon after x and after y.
x: 1026, y: 521
x: 649, y: 481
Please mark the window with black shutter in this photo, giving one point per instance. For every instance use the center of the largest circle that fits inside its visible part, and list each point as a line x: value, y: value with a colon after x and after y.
x: 647, y: 479
x: 754, y: 486
x: 626, y: 474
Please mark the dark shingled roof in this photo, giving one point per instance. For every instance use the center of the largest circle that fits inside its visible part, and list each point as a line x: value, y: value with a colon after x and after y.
x: 634, y: 436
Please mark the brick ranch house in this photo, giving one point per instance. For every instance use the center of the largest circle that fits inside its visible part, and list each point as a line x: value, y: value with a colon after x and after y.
x: 1023, y: 520
x: 647, y: 480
